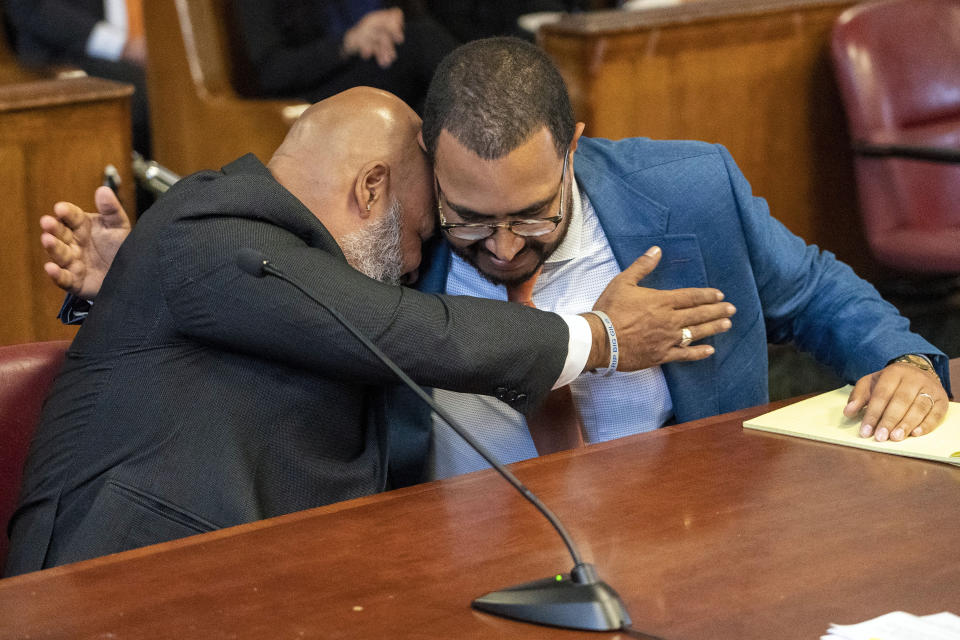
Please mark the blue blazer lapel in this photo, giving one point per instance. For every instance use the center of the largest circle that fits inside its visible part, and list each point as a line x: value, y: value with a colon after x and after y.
x: 633, y: 222
x: 408, y: 418
x: 436, y: 263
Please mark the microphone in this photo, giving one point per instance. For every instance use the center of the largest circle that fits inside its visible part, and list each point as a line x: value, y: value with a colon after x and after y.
x: 578, y: 600
x: 153, y: 176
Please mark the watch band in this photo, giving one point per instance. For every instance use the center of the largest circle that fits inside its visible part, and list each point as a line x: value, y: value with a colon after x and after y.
x: 915, y: 359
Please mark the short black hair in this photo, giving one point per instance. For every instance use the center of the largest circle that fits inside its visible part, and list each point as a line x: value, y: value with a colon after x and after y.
x: 493, y: 94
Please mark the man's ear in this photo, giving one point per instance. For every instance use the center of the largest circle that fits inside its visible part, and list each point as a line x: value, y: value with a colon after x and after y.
x: 577, y: 132
x: 370, y: 190
x: 420, y: 140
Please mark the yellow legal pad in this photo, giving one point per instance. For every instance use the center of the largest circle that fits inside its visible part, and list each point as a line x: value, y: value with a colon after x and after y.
x: 821, y: 418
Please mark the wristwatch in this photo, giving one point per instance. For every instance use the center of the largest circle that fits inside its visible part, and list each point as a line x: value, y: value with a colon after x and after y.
x: 914, y: 359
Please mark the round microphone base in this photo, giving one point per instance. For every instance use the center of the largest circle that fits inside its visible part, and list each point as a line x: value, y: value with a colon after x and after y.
x: 559, y: 602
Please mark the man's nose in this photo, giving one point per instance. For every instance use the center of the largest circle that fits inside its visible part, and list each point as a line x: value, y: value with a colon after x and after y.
x: 504, y: 244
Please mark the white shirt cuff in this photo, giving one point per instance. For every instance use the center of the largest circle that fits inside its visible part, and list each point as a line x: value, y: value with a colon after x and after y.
x: 578, y: 351
x: 106, y: 41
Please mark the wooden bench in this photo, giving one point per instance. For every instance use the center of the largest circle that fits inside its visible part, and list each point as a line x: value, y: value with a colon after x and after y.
x: 198, y: 120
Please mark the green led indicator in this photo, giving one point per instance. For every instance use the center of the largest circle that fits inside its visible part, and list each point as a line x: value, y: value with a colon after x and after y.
x: 559, y: 578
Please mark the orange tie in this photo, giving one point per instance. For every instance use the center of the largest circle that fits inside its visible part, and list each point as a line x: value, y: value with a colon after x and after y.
x: 555, y: 425
x: 134, y: 19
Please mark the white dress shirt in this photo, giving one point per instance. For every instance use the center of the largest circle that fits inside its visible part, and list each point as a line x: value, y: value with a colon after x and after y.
x: 572, y: 279
x: 109, y: 36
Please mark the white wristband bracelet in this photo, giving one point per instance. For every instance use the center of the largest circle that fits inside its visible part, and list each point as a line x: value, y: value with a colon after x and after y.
x: 612, y: 340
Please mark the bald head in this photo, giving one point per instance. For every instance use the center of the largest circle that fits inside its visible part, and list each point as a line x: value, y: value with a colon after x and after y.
x: 352, y: 158
x: 348, y: 130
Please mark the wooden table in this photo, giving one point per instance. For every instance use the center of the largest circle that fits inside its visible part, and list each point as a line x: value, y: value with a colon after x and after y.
x: 706, y: 530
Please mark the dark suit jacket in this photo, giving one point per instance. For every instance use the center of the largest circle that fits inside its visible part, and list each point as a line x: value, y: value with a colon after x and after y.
x: 196, y: 396
x: 292, y: 48
x: 52, y: 30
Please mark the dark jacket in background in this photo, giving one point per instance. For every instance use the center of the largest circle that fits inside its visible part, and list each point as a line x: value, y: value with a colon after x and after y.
x: 292, y: 48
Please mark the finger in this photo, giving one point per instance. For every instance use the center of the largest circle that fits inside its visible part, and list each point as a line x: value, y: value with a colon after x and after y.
x: 394, y: 26
x: 705, y: 330
x: 69, y: 214
x: 691, y: 298
x: 61, y: 277
x: 916, y: 412
x: 57, y: 229
x: 688, y: 354
x: 365, y: 51
x: 858, y: 400
x: 933, y: 419
x: 58, y: 252
x: 642, y: 266
x: 704, y: 313
x: 876, y: 403
x: 108, y: 205
x: 897, y: 398
x: 386, y: 53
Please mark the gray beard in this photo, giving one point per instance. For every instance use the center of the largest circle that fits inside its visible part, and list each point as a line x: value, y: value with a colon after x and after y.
x: 375, y: 250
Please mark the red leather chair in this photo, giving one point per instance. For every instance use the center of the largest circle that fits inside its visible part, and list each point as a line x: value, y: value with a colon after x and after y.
x: 898, y: 67
x: 26, y: 373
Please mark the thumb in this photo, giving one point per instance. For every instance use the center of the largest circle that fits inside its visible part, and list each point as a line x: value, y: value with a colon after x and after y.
x: 643, y: 266
x: 108, y: 205
x: 859, y: 396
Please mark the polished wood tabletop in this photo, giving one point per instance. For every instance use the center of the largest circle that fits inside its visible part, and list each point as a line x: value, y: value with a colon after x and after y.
x: 706, y: 530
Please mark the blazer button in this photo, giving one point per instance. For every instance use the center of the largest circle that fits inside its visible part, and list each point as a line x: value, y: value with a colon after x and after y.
x: 511, y: 395
x: 521, y: 397
x: 500, y: 393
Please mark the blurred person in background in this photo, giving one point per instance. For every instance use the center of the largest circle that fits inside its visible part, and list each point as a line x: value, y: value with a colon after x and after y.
x: 104, y: 38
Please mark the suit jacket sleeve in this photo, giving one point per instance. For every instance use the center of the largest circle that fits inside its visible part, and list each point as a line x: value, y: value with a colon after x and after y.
x: 812, y: 298
x: 282, y: 68
x: 458, y: 343
x: 61, y: 26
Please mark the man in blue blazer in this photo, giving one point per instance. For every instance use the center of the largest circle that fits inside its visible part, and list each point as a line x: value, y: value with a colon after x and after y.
x: 499, y: 127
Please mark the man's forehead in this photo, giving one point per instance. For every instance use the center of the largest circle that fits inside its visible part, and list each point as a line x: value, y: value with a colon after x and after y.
x: 526, y: 175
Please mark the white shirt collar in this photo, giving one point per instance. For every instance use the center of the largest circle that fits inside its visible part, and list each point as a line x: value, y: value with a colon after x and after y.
x: 572, y: 243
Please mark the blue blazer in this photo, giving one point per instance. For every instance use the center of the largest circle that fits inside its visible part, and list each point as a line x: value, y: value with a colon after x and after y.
x: 690, y: 199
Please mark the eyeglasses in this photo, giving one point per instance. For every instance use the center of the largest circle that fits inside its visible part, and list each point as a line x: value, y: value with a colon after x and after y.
x: 525, y: 228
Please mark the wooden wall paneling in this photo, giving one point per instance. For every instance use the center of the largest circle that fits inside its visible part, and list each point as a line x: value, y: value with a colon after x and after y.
x: 15, y: 255
x: 752, y: 76
x: 197, y: 119
x: 56, y: 137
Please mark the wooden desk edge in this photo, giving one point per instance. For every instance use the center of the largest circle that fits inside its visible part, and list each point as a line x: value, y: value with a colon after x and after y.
x: 60, y: 91
x: 609, y: 22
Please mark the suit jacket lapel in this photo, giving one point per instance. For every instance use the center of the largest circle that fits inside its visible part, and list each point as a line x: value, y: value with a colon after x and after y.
x: 633, y: 222
x: 410, y: 424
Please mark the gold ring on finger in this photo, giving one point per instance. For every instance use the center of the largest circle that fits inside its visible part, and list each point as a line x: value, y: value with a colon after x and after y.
x: 928, y: 397
x: 686, y: 337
